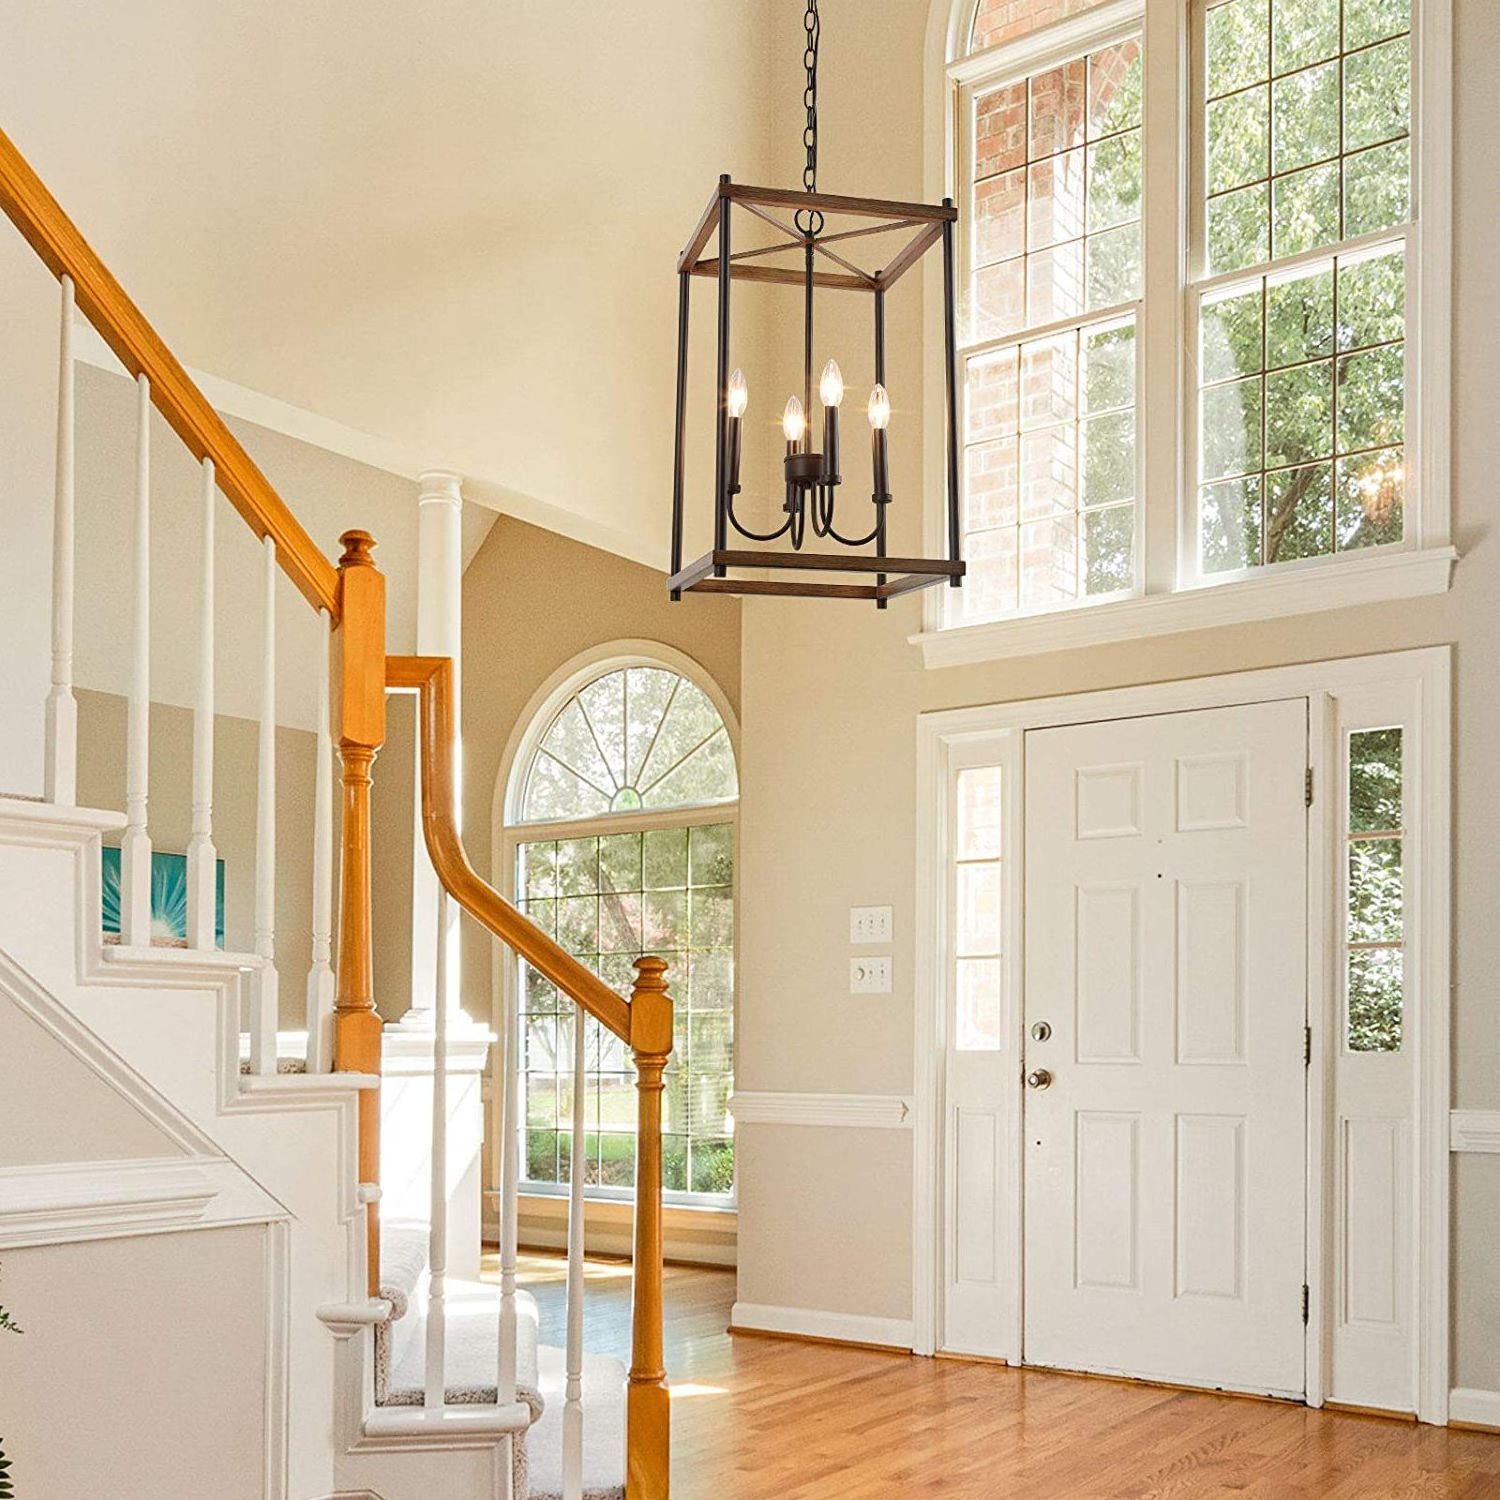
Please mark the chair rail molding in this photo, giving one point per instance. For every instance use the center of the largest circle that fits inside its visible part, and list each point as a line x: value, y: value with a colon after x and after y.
x: 1474, y: 1130
x: 861, y: 1111
x: 64, y: 1202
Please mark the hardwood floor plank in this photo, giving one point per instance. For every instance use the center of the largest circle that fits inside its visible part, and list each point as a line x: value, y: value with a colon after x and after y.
x: 770, y: 1419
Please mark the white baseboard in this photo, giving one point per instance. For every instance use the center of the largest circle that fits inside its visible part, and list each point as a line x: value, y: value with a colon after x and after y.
x: 809, y: 1323
x: 1465, y: 1404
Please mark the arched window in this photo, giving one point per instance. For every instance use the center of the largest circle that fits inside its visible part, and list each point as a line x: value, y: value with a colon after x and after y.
x: 621, y: 828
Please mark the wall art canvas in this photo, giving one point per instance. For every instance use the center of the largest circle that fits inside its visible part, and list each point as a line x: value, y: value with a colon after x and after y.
x: 168, y: 898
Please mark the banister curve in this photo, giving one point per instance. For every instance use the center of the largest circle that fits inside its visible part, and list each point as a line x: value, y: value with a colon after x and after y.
x: 102, y: 300
x: 432, y: 678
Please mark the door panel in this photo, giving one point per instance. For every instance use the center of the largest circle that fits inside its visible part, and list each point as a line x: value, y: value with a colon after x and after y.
x: 1164, y: 1169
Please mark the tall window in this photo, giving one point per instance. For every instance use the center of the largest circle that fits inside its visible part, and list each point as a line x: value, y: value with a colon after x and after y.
x: 1305, y: 205
x: 1284, y: 271
x: 625, y: 844
x: 1375, y: 893
x: 1052, y: 153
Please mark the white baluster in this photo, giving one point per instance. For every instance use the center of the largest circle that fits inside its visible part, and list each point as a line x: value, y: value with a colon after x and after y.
x: 135, y: 846
x: 510, y: 1171
x: 202, y: 856
x: 320, y: 980
x: 263, y: 1010
x: 61, y: 772
x: 437, y: 1237
x: 573, y: 1390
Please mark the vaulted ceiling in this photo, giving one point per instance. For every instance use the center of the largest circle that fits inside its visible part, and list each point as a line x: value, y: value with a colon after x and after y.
x: 450, y: 224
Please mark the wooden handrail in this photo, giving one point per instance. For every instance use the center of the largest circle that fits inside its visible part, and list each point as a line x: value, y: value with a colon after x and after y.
x: 645, y: 1023
x: 432, y: 678
x: 65, y: 252
x: 356, y: 1022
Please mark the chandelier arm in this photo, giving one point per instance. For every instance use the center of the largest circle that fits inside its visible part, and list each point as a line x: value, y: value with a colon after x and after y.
x: 757, y: 536
x: 860, y: 541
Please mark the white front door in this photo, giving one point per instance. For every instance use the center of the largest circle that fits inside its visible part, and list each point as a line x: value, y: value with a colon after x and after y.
x: 1165, y: 1005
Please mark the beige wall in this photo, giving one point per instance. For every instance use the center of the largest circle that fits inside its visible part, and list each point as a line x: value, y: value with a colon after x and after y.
x: 829, y: 761
x: 142, y: 1370
x: 532, y: 601
x: 101, y: 783
x: 55, y: 1108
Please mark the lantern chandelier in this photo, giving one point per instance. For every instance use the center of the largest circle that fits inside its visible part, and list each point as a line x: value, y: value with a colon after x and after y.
x: 905, y: 232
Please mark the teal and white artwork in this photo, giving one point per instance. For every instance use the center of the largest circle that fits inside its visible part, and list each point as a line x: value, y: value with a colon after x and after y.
x: 168, y: 897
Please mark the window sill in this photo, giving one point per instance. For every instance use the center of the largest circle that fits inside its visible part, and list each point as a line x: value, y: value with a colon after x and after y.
x: 701, y: 1234
x: 1371, y: 580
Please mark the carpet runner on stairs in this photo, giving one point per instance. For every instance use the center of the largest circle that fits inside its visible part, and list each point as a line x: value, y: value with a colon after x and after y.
x: 473, y: 1309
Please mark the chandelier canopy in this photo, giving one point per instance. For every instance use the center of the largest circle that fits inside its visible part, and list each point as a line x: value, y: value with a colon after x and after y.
x: 902, y: 234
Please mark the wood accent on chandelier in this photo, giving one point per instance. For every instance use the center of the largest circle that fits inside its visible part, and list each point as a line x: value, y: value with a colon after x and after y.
x: 910, y: 573
x: 136, y: 344
x: 927, y: 219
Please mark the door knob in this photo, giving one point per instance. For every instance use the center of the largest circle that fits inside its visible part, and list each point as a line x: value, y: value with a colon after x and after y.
x: 1039, y: 1079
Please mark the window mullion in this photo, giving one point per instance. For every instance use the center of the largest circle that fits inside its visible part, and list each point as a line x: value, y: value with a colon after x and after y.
x: 1162, y: 353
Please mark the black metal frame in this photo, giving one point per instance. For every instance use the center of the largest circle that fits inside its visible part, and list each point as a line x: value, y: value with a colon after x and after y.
x: 810, y: 476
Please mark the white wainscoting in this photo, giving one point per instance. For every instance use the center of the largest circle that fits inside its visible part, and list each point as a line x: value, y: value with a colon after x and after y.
x: 809, y: 1323
x: 861, y: 1111
x: 1474, y: 1130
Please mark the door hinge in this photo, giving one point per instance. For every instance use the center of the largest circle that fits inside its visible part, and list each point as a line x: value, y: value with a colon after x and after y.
x: 1307, y: 1046
x: 1307, y: 787
x: 1306, y: 1300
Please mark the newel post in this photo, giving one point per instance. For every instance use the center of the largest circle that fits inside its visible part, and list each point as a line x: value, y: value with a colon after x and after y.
x: 357, y: 1026
x: 648, y: 1413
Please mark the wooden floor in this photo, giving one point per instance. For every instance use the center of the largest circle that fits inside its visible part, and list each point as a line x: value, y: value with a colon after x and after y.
x: 763, y: 1419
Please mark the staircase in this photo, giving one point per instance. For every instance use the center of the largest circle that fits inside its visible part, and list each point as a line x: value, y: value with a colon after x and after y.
x: 385, y: 1376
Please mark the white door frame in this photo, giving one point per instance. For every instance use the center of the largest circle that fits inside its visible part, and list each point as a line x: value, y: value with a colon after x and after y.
x: 1426, y: 673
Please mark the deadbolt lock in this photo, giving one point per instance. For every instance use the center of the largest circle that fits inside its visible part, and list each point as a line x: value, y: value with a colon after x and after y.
x: 1041, y: 1030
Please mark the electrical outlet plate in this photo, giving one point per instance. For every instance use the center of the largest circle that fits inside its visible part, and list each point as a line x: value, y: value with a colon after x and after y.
x: 870, y: 976
x: 869, y: 924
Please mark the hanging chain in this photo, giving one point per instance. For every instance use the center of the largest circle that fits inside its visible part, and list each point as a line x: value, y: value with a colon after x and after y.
x: 810, y: 221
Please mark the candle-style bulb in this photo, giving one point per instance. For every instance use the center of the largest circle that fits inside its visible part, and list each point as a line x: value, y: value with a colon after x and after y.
x: 793, y: 422
x: 831, y: 386
x: 880, y: 409
x: 739, y: 394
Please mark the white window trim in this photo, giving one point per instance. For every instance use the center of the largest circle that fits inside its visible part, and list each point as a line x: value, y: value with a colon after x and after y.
x: 1412, y: 688
x: 1170, y: 600
x: 509, y: 831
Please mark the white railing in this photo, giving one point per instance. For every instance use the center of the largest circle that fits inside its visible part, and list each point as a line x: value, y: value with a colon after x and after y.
x: 137, y: 847
x: 61, y: 753
x: 202, y: 856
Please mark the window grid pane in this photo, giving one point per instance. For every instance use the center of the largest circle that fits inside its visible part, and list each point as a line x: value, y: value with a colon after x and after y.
x: 978, y: 975
x: 665, y: 891
x: 1375, y: 893
x: 1055, y: 201
x: 1050, y: 464
x: 1050, y: 470
x: 1301, y: 414
x: 1306, y: 126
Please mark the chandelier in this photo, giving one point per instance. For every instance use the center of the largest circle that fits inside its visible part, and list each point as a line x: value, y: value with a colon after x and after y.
x: 803, y: 254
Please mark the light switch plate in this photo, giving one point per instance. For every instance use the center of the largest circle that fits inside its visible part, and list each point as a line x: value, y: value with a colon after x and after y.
x: 870, y: 976
x: 869, y: 924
